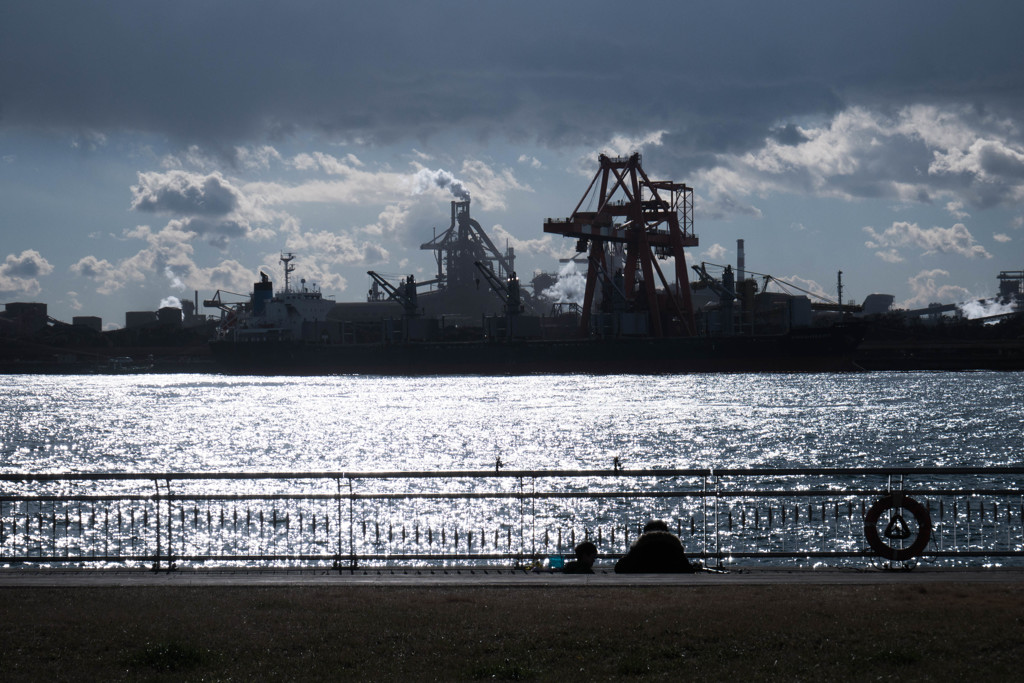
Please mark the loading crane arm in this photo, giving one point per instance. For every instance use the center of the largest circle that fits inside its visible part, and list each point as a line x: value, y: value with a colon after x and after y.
x: 404, y: 294
x: 225, y: 306
x: 714, y: 285
x: 509, y: 292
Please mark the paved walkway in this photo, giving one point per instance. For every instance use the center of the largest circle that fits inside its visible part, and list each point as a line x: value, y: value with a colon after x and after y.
x: 24, y: 578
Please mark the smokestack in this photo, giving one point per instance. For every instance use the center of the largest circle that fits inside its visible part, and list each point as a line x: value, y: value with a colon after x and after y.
x: 741, y: 264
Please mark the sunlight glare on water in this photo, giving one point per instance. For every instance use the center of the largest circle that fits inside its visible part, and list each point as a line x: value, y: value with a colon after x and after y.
x: 198, y: 423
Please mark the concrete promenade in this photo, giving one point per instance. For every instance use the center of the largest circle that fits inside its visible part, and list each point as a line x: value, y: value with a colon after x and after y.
x: 465, y: 578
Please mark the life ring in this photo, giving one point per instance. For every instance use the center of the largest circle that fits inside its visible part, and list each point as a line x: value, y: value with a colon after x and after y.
x: 879, y: 545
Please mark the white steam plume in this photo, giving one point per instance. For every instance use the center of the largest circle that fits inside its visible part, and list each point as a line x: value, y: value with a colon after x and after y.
x: 569, y: 288
x: 170, y: 302
x: 983, y: 308
x: 426, y: 178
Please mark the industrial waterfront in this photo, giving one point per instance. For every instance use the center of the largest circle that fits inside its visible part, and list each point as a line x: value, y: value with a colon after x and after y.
x: 627, y: 315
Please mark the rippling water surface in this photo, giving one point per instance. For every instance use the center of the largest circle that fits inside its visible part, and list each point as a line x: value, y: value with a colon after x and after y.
x: 203, y: 423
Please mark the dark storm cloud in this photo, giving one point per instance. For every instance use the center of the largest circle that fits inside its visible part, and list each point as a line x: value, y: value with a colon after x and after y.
x: 789, y: 135
x: 996, y: 161
x: 718, y: 76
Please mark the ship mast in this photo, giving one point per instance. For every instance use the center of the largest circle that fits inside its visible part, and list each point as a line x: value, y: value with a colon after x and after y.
x: 286, y: 259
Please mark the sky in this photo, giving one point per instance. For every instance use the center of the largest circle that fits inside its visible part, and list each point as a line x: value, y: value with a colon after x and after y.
x: 150, y: 150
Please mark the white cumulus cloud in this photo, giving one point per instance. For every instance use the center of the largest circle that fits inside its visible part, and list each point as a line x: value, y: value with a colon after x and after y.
x: 20, y: 273
x: 953, y: 240
x: 927, y: 288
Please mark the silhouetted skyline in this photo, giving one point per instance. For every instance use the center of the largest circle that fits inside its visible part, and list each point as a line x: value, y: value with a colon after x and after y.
x: 149, y: 150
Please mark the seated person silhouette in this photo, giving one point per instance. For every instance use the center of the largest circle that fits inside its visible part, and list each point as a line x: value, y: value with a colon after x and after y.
x: 586, y: 553
x: 657, y: 551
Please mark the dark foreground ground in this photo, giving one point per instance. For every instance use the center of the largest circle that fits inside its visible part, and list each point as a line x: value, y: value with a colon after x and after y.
x: 791, y: 631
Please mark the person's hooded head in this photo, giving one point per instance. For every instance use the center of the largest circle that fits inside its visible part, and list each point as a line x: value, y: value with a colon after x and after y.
x: 586, y: 553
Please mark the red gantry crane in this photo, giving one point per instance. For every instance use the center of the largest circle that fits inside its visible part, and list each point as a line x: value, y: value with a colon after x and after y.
x: 644, y: 221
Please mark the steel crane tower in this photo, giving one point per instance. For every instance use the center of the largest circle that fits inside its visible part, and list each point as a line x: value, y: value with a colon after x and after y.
x: 648, y: 220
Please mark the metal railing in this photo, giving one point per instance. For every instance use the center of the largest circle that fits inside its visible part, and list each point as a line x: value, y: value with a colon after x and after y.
x: 830, y: 516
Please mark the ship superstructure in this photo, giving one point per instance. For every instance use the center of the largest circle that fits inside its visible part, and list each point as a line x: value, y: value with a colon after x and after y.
x: 292, y: 315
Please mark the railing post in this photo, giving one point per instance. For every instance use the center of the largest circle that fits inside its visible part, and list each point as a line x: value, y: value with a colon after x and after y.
x: 718, y: 537
x: 533, y: 514
x: 704, y: 517
x: 337, y: 549
x: 522, y: 519
x: 351, y: 525
x: 170, y: 528
x: 156, y: 498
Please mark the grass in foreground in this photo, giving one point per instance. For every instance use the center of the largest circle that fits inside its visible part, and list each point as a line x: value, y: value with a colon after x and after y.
x: 936, y: 632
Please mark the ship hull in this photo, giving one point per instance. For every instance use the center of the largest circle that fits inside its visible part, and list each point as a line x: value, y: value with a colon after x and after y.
x: 811, y: 350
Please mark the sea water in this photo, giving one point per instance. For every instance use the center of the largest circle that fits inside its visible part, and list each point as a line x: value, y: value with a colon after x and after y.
x: 352, y: 424
x: 213, y: 423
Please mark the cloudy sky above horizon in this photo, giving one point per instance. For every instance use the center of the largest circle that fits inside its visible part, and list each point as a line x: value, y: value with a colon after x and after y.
x: 149, y: 150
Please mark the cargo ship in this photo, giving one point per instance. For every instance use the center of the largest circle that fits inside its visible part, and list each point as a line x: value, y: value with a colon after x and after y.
x: 474, y: 317
x: 829, y: 350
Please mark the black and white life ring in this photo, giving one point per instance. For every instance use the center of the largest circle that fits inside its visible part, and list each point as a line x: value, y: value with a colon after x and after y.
x: 898, y: 529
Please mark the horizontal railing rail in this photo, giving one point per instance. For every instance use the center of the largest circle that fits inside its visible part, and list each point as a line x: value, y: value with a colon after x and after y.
x: 505, y: 473
x: 888, y: 515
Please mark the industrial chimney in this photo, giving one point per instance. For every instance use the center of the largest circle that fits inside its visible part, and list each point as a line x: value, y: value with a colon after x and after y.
x: 741, y: 266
